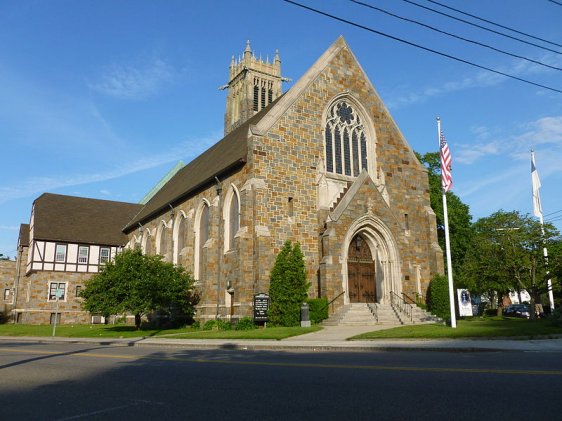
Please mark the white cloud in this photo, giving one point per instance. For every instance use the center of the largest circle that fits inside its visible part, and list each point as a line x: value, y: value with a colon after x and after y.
x: 545, y: 132
x: 477, y: 185
x: 483, y: 78
x: 502, y: 179
x: 36, y: 185
x: 135, y: 82
x: 38, y: 117
x: 467, y: 154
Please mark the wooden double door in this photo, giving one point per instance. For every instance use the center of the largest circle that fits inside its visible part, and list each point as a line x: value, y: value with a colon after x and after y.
x: 361, y: 272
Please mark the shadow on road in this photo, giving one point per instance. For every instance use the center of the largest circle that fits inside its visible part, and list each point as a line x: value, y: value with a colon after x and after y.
x: 141, y: 383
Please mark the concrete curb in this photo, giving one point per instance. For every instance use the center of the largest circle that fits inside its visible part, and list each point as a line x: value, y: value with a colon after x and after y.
x: 451, y: 345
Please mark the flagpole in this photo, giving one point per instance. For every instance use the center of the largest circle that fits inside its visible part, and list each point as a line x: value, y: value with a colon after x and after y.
x: 537, y: 210
x: 447, y: 242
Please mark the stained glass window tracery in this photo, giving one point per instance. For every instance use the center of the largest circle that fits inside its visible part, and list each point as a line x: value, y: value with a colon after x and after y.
x: 345, y: 142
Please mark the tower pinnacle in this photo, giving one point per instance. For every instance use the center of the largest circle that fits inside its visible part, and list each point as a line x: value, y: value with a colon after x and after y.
x: 253, y: 84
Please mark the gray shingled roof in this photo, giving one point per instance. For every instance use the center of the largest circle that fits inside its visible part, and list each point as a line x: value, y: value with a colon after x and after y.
x: 23, y: 238
x: 223, y: 156
x: 81, y: 220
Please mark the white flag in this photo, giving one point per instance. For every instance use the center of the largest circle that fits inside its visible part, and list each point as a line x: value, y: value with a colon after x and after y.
x: 537, y: 208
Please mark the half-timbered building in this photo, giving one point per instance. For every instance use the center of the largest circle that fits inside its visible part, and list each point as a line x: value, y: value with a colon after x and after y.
x: 67, y: 240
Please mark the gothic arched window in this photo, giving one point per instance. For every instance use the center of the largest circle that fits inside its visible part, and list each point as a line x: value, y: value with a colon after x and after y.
x: 201, y: 237
x: 149, y: 244
x: 231, y: 218
x: 182, y: 238
x: 165, y: 245
x: 345, y: 140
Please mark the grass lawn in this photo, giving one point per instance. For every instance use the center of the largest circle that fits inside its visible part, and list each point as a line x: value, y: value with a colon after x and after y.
x: 125, y: 331
x: 490, y: 327
x: 277, y: 333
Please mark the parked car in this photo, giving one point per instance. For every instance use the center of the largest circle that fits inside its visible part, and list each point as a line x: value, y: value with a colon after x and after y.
x: 518, y: 310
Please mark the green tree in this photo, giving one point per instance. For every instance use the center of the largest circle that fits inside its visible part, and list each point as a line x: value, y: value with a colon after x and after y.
x: 460, y: 225
x: 140, y: 284
x: 288, y: 287
x: 438, y: 297
x: 507, y: 255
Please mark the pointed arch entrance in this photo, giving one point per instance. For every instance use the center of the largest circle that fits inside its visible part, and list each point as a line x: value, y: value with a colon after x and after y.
x: 361, y: 271
x: 372, y: 280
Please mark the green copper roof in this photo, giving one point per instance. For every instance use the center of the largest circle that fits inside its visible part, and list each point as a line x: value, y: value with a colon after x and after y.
x: 163, y: 181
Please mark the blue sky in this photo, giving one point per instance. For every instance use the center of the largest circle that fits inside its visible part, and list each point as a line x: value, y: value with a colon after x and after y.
x: 101, y: 98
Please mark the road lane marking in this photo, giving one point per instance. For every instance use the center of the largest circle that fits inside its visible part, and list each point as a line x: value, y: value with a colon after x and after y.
x: 112, y: 409
x: 82, y: 353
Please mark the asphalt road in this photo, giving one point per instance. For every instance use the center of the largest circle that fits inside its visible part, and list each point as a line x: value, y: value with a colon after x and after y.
x: 91, y: 382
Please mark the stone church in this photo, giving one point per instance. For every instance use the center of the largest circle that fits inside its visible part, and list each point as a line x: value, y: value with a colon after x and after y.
x: 323, y: 164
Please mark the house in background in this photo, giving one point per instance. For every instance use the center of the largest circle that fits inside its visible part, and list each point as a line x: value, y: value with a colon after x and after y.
x: 67, y: 240
x: 7, y: 276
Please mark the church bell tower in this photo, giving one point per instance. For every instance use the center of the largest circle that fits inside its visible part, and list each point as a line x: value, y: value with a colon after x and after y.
x: 253, y: 84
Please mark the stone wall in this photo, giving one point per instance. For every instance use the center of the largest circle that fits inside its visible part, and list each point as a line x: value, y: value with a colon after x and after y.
x: 7, y: 277
x: 218, y: 267
x: 278, y: 189
x: 35, y: 306
x: 287, y: 158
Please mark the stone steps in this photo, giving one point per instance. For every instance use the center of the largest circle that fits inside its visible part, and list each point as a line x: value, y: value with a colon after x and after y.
x: 359, y: 314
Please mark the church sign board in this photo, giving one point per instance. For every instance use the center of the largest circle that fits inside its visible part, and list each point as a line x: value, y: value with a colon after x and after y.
x: 465, y: 304
x: 261, y: 306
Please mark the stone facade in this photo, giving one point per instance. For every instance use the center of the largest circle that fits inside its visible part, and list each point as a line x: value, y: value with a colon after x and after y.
x: 7, y: 278
x: 38, y: 308
x: 285, y: 192
x: 323, y: 164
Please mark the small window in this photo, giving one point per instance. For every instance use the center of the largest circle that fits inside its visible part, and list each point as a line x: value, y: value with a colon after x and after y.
x: 7, y: 294
x: 55, y: 316
x: 78, y: 291
x: 290, y: 209
x: 104, y: 254
x: 406, y: 222
x: 57, y: 289
x: 60, y: 254
x: 83, y: 254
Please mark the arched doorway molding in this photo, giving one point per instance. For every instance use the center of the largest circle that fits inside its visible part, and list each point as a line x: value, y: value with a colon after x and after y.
x: 384, y: 250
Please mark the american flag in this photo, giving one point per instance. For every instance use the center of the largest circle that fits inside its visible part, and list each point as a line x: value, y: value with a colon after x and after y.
x: 446, y: 177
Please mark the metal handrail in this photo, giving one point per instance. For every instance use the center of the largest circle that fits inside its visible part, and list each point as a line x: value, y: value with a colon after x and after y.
x: 409, y: 299
x: 328, y: 305
x: 374, y: 310
x: 401, y: 305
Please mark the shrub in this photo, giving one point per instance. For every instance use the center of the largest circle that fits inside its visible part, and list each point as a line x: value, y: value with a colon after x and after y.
x: 288, y: 286
x: 216, y: 325
x: 246, y: 323
x: 318, y: 309
x: 438, y: 297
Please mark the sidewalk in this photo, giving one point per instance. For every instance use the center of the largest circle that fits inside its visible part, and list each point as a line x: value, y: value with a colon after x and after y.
x: 331, y: 338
